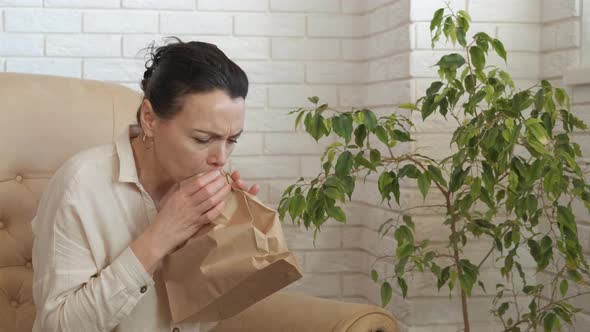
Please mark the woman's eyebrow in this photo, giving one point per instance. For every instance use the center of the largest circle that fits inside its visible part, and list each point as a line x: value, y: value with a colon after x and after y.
x: 216, y: 134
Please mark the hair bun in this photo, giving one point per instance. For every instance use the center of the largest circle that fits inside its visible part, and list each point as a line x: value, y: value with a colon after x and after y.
x: 148, y: 73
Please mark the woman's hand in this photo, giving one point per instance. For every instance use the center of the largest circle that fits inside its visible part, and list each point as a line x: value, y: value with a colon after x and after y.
x: 184, y: 211
x: 240, y: 184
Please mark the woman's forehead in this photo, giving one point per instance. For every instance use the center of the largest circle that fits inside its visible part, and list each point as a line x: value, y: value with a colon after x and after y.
x: 214, y: 111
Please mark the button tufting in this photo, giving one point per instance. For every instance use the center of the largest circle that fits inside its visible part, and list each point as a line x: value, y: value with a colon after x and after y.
x: 1, y: 225
x: 29, y: 265
x: 14, y: 304
x: 19, y: 179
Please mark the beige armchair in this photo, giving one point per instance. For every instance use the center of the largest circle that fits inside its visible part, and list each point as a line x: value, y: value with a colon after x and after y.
x: 43, y: 121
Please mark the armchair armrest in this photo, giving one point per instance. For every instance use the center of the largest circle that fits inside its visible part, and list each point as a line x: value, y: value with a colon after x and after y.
x: 285, y: 312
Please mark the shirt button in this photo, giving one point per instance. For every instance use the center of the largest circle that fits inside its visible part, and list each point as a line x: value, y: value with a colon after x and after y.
x: 143, y: 289
x: 176, y: 329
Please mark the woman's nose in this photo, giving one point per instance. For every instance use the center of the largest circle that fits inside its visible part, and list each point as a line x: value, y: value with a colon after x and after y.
x: 217, y: 157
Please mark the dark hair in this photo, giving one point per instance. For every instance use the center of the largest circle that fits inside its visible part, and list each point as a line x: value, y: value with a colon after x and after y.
x: 177, y: 69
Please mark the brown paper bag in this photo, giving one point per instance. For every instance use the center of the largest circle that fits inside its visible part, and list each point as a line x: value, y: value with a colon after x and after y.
x: 237, y: 261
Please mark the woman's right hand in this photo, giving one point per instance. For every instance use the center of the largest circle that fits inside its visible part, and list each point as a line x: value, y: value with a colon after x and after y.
x: 184, y: 210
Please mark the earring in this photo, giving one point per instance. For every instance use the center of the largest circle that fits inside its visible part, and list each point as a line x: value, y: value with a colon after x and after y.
x: 144, y: 144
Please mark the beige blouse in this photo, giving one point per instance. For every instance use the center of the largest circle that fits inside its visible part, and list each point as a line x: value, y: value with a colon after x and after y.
x: 86, y: 278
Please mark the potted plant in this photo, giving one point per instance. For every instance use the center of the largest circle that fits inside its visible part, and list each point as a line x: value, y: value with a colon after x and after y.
x: 492, y: 192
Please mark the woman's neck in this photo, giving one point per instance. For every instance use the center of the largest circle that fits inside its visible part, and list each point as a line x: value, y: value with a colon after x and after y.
x: 149, y: 173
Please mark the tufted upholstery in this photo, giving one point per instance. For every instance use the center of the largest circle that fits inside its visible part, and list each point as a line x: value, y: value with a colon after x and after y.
x: 46, y: 119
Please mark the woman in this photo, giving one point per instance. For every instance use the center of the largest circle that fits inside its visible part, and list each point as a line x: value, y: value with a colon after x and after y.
x: 110, y: 214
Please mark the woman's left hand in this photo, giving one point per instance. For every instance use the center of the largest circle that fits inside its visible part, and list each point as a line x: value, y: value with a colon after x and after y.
x: 240, y: 184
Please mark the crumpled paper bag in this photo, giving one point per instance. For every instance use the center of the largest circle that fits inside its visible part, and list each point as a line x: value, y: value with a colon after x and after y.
x: 238, y: 260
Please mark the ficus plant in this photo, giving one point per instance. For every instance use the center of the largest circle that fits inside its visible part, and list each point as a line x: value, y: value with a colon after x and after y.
x: 510, y: 181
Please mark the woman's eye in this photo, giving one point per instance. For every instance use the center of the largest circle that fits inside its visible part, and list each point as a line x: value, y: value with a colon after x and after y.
x: 206, y: 141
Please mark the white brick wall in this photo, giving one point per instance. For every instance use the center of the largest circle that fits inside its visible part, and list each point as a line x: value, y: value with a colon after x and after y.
x: 270, y: 25
x: 350, y: 53
x: 195, y: 23
x: 561, y: 46
x: 42, y: 20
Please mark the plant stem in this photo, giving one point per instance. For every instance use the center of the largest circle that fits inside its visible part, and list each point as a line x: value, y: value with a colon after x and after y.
x: 460, y: 274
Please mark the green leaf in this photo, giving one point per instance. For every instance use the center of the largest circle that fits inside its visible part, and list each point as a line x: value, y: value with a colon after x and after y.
x: 560, y: 96
x: 424, y: 184
x: 360, y: 134
x: 465, y: 15
x: 450, y: 30
x: 337, y: 213
x: 374, y: 275
x: 382, y: 135
x: 470, y: 83
x: 359, y: 159
x: 296, y: 206
x: 506, y: 79
x: 409, y: 170
x: 443, y: 277
x: 395, y: 189
x: 566, y: 220
x: 461, y: 36
x: 409, y: 106
x: 370, y: 119
x: 348, y: 182
x: 314, y: 99
x: 386, y: 292
x: 408, y: 221
x: 503, y: 308
x: 344, y: 164
x: 334, y: 193
x: 315, y: 126
x: 343, y: 126
x: 477, y: 57
x: 563, y: 286
x: 521, y: 101
x: 428, y: 107
x: 437, y: 19
x: 401, y: 136
x: 403, y: 286
x: 549, y: 322
x: 535, y: 127
x: 458, y: 178
x: 299, y: 118
x: 436, y: 175
x: 451, y: 61
x: 434, y: 87
x: 468, y: 276
x: 375, y: 156
x: 499, y: 48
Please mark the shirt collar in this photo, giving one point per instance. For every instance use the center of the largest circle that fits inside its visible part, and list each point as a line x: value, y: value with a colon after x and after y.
x: 127, y: 169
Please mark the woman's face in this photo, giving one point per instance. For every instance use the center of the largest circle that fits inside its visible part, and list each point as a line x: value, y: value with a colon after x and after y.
x: 201, y: 136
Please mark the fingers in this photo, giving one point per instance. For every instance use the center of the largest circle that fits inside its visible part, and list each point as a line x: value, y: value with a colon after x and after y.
x: 209, y: 190
x: 214, y: 212
x: 240, y: 184
x: 196, y: 184
x: 210, y: 201
x: 254, y: 190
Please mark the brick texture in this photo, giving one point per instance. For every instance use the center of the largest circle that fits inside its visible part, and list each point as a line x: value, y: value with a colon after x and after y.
x: 350, y: 53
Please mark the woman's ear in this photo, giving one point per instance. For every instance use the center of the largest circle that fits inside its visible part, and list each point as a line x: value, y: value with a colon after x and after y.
x: 148, y: 118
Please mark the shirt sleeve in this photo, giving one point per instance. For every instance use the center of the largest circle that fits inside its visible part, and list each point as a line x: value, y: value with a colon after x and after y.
x: 69, y: 291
